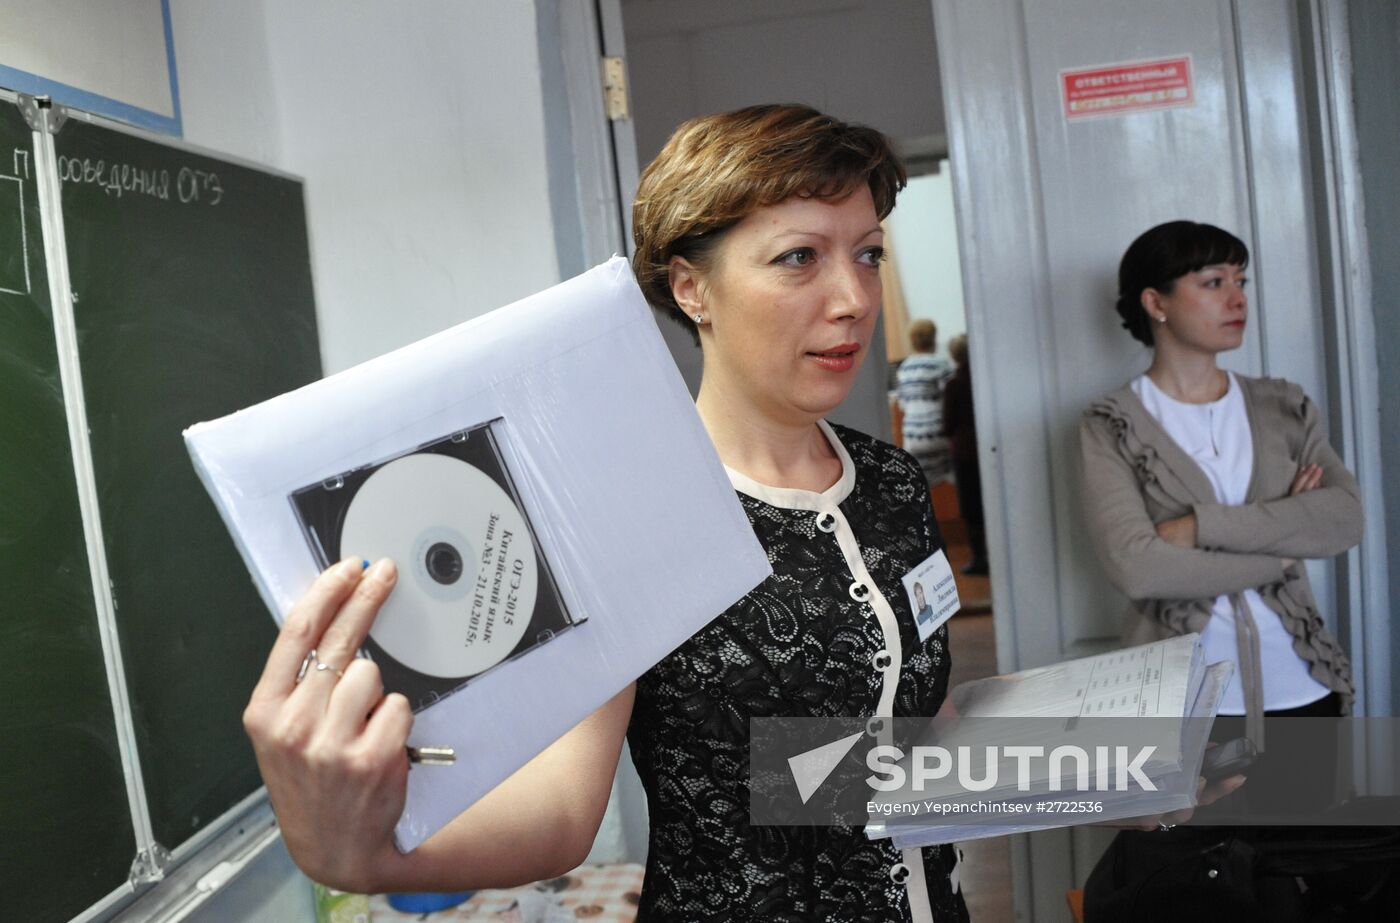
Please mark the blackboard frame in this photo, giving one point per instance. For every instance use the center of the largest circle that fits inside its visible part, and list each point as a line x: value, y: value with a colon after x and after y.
x: 162, y: 881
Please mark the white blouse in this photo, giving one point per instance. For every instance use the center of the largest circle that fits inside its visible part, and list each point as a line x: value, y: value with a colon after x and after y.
x: 1218, y: 438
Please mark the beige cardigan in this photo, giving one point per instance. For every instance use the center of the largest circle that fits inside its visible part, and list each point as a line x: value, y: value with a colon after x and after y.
x: 1135, y: 476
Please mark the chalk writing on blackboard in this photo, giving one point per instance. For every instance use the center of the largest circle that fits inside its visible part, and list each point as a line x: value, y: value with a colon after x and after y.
x: 191, y: 186
x: 14, y: 237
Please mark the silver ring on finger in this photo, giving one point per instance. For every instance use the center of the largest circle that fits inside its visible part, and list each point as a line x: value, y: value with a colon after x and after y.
x: 306, y: 663
x: 1165, y: 827
x: 322, y: 667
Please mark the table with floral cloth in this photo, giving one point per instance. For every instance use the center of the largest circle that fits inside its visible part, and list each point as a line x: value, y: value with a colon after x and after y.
x: 598, y: 893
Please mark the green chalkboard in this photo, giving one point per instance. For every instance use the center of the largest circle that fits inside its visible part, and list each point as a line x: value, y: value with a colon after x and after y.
x: 192, y: 299
x: 67, y: 836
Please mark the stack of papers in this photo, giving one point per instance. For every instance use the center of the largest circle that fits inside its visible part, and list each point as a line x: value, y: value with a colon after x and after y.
x: 1135, y: 715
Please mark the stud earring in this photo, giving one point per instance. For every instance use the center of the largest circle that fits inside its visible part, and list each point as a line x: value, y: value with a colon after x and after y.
x: 699, y: 318
x: 1162, y: 319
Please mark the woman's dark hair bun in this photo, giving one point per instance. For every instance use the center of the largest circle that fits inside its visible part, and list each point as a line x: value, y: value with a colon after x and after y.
x: 1135, y: 319
x: 1163, y: 254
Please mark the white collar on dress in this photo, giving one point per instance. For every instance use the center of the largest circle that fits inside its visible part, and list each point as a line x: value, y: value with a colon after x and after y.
x: 794, y: 498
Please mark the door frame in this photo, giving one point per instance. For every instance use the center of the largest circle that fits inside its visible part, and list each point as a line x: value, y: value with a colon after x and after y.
x: 1000, y: 216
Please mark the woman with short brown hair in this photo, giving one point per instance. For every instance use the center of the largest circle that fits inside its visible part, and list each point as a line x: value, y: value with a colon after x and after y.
x: 759, y: 229
x: 718, y: 169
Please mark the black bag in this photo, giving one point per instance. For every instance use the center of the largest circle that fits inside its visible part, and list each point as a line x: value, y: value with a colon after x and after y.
x: 1246, y: 874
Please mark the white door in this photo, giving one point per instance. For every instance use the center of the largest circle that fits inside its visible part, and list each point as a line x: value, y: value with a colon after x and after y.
x: 628, y: 171
x: 1047, y: 202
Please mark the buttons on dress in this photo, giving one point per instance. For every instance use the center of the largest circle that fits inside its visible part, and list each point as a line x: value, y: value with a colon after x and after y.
x: 875, y: 727
x: 826, y: 522
x: 899, y: 873
x: 881, y: 660
x: 859, y: 592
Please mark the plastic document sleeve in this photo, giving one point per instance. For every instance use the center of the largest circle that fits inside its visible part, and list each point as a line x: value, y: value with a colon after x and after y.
x: 543, y: 481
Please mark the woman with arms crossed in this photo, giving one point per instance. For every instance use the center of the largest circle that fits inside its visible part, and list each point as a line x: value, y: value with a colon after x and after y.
x: 1204, y: 488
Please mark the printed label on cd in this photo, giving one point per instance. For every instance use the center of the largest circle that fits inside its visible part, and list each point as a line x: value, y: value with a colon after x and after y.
x: 467, y: 569
x: 475, y: 589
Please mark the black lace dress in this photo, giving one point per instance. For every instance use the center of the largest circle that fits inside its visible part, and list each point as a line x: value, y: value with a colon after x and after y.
x: 800, y: 644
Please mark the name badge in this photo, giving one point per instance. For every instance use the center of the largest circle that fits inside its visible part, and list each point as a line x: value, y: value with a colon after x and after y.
x: 933, y: 594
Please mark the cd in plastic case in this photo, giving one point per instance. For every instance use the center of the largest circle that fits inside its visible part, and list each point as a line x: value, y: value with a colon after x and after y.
x: 475, y: 589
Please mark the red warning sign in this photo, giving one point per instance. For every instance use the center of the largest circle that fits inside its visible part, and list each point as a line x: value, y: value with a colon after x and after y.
x: 1113, y: 89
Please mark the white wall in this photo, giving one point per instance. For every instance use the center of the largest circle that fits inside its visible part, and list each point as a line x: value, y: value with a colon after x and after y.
x: 871, y: 61
x: 419, y: 131
x: 227, y: 97
x: 924, y: 234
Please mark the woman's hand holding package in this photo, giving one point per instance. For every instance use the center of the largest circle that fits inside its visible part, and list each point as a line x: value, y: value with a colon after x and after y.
x: 330, y: 744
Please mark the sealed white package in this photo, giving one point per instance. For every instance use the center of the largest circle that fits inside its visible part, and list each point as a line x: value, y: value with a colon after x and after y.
x: 558, y: 513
